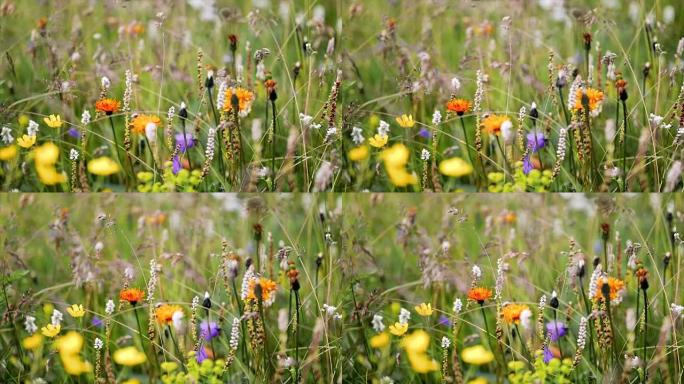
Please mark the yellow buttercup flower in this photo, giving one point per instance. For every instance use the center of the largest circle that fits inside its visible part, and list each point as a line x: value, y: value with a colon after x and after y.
x: 398, y: 329
x: 103, y: 166
x: 395, y: 159
x: 32, y: 342
x: 406, y: 121
x: 76, y: 310
x: 416, y: 346
x: 380, y: 340
x: 455, y: 167
x: 26, y: 141
x: 378, y: 141
x: 359, y: 153
x: 69, y: 347
x: 424, y: 309
x: 477, y: 355
x: 45, y: 157
x: 50, y: 330
x: 53, y: 121
x: 129, y: 356
x: 8, y: 153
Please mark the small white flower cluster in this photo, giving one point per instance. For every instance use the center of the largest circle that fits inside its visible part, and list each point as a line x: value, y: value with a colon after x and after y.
x: 128, y: 91
x: 445, y: 342
x: 593, y: 282
x: 30, y: 324
x: 383, y: 128
x: 436, y: 117
x: 500, y: 269
x: 234, y: 334
x: 249, y: 275
x: 221, y: 97
x: 676, y: 309
x: 32, y: 128
x: 425, y: 155
x: 458, y: 306
x: 330, y: 134
x: 6, y: 135
x: 211, y: 141
x: 73, y: 154
x: 560, y: 151
x: 477, y: 272
x: 378, y: 325
x: 404, y: 316
x: 109, y: 307
x: 98, y: 344
x: 581, y: 335
x: 152, y: 283
x: 331, y: 311
x: 85, y: 117
x: 357, y: 135
x: 572, y: 96
x: 56, y: 318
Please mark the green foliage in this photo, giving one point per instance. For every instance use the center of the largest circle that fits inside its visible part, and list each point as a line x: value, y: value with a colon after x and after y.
x: 555, y: 372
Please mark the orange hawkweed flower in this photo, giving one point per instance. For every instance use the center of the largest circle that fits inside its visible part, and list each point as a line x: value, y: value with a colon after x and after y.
x: 479, y: 294
x: 459, y: 106
x: 594, y: 96
x: 132, y: 295
x: 493, y: 123
x: 511, y: 312
x: 141, y: 121
x: 245, y: 98
x: 107, y: 106
x: 616, y: 286
x: 267, y: 288
x: 164, y: 313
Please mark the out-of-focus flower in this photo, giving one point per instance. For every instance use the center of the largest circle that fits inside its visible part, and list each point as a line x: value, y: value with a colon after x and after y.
x: 103, y: 166
x: 380, y: 340
x: 129, y: 356
x: 359, y: 153
x: 185, y: 141
x: 492, y: 123
x: 536, y: 141
x: 416, y: 346
x: 395, y: 159
x: 511, y: 312
x: 266, y: 286
x: 164, y: 313
x: 556, y: 330
x: 209, y: 330
x: 477, y: 355
x: 140, y: 122
x: 8, y: 153
x: 69, y: 347
x: 455, y: 167
x: 458, y: 106
x: 32, y: 342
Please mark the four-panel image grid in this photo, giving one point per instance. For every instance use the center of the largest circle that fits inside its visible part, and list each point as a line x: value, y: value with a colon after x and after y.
x: 341, y: 191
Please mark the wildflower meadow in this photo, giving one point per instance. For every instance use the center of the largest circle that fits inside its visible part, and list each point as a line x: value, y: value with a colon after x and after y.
x: 342, y: 96
x: 353, y: 288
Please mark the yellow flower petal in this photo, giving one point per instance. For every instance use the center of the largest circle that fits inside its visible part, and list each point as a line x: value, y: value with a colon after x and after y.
x: 424, y: 309
x: 129, y: 356
x: 32, y: 342
x: 76, y: 310
x: 398, y: 329
x: 455, y: 167
x: 26, y: 141
x: 378, y: 141
x: 53, y: 121
x: 8, y: 153
x: 477, y: 355
x: 359, y: 153
x: 380, y: 340
x: 50, y: 330
x: 103, y: 166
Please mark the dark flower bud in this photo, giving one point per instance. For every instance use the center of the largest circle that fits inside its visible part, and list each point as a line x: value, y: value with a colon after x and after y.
x: 233, y: 42
x: 248, y: 263
x: 235, y: 102
x: 605, y: 231
x: 666, y: 259
x: 647, y: 69
x: 605, y: 290
x: 587, y: 40
x: 183, y: 113
x: 209, y: 82
x: 581, y: 270
x: 295, y: 285
x: 258, y: 231
x: 207, y: 301
x: 534, y: 113
x: 554, y: 302
x: 596, y: 261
